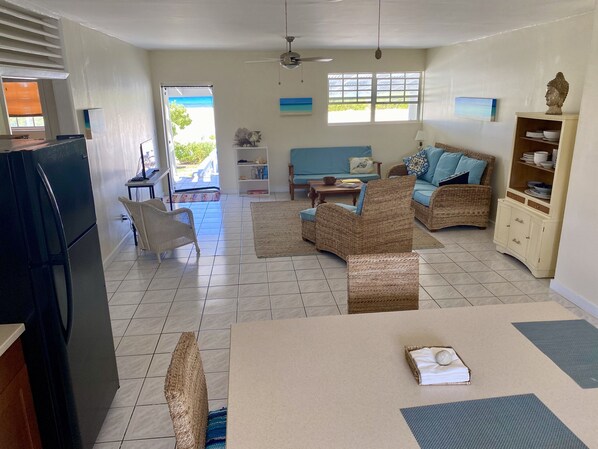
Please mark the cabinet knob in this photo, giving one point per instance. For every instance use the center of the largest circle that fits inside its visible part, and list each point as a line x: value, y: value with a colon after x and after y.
x: 517, y: 241
x: 518, y: 220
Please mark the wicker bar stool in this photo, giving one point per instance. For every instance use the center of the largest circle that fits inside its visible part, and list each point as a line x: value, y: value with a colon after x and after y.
x: 383, y: 282
x: 186, y: 393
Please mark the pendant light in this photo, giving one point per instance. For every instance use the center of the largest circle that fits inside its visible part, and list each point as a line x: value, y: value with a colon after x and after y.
x: 378, y: 53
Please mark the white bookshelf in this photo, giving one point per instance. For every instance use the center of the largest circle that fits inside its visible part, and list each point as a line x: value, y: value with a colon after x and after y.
x: 253, y: 174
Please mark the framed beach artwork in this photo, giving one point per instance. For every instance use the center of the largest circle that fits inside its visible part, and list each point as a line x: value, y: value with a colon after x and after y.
x: 296, y: 106
x: 483, y: 109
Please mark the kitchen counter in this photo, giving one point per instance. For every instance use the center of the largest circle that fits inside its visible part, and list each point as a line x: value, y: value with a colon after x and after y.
x: 9, y: 334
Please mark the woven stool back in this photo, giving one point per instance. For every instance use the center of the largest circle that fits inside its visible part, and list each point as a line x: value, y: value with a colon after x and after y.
x: 186, y: 394
x: 383, y: 282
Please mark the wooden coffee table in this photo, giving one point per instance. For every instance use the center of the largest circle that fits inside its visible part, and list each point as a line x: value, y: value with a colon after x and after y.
x: 318, y: 191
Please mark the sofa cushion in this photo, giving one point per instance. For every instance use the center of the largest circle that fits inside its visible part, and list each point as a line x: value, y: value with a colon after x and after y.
x: 433, y: 155
x: 417, y: 164
x: 310, y: 214
x: 457, y: 178
x: 359, y: 206
x: 302, y: 179
x: 326, y: 160
x: 423, y: 196
x: 475, y: 167
x: 446, y: 166
x: 361, y: 165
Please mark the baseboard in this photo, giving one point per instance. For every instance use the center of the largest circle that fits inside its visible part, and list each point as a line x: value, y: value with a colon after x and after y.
x: 112, y: 256
x: 578, y: 300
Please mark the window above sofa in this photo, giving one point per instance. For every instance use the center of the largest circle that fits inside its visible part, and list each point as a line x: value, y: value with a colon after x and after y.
x: 374, y: 97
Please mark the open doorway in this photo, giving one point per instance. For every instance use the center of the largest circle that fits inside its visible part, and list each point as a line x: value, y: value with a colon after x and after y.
x: 191, y: 136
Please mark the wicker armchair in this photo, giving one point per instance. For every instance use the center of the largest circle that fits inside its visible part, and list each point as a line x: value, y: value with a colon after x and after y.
x: 384, y: 226
x: 383, y: 282
x: 158, y: 229
x: 455, y: 205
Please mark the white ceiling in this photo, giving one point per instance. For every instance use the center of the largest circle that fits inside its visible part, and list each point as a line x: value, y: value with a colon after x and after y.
x: 327, y: 24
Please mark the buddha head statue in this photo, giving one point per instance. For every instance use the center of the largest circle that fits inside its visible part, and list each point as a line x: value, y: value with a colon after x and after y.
x: 556, y: 92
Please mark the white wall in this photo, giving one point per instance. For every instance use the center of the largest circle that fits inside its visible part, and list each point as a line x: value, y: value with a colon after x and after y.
x: 577, y: 266
x: 512, y: 67
x: 110, y: 74
x: 247, y: 95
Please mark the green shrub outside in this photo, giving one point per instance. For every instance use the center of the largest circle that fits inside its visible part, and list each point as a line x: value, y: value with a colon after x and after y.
x: 363, y: 106
x: 193, y: 152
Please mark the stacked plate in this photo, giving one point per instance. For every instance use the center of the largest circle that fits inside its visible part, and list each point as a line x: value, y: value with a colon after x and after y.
x: 535, y: 134
x: 539, y: 190
x: 528, y: 157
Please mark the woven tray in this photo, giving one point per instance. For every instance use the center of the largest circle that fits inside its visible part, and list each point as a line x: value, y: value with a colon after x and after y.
x: 417, y: 374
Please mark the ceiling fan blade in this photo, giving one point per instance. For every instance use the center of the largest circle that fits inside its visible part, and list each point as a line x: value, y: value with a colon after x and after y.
x: 263, y: 60
x: 315, y: 59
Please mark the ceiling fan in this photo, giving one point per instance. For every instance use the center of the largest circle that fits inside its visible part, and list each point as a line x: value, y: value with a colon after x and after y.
x: 290, y: 59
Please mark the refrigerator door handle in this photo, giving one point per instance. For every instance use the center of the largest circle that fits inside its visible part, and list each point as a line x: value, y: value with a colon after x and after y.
x: 64, y: 259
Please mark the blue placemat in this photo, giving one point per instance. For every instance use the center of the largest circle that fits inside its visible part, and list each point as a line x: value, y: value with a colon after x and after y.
x: 510, y: 422
x: 571, y: 344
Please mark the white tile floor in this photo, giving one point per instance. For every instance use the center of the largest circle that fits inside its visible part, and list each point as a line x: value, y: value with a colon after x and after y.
x: 151, y: 304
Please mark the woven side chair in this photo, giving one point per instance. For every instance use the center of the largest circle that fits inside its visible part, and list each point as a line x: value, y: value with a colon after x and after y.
x: 160, y: 230
x: 384, y: 226
x: 187, y: 397
x: 383, y: 282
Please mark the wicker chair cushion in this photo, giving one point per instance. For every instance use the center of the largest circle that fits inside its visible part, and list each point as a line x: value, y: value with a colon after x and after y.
x: 433, y: 155
x: 475, y: 167
x: 417, y: 164
x: 310, y: 214
x: 446, y: 166
x: 423, y: 197
x: 359, y: 205
x: 216, y: 433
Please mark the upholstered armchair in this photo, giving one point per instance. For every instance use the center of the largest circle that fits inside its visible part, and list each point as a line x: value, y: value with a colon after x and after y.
x: 158, y: 229
x: 385, y: 224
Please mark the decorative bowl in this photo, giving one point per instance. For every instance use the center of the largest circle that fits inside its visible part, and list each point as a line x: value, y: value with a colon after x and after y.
x: 544, y: 189
x: 532, y: 184
x: 329, y: 180
x: 552, y: 134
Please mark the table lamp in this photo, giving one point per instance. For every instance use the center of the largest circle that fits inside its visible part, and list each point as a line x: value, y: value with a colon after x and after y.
x: 420, y: 137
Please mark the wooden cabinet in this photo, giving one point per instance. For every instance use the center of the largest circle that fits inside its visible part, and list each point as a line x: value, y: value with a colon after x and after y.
x: 253, y: 171
x: 18, y: 425
x: 528, y: 227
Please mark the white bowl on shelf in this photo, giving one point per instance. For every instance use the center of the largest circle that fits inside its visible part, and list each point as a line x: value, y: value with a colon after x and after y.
x: 552, y: 134
x: 534, y: 134
x: 547, y: 164
x: 540, y: 156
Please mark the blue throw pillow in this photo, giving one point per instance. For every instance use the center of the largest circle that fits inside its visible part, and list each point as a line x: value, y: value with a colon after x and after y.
x: 475, y: 167
x: 360, y: 199
x: 417, y: 164
x: 457, y: 178
x: 433, y: 154
x: 216, y: 431
x: 446, y: 166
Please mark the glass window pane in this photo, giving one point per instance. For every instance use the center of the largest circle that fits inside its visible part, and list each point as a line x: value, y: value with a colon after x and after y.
x: 349, y: 113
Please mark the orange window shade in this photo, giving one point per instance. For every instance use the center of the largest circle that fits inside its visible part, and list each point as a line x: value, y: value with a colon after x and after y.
x: 22, y: 99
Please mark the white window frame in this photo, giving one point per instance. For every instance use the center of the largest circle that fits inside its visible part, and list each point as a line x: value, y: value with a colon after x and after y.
x: 373, y: 99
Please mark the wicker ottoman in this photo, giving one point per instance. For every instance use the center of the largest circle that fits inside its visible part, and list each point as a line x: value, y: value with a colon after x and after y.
x: 308, y: 230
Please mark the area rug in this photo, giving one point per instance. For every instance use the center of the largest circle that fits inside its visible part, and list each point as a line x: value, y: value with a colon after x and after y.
x: 194, y: 197
x: 277, y: 230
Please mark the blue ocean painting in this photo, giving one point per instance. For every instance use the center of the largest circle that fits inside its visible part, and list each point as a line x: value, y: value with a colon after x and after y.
x: 476, y: 108
x: 296, y: 106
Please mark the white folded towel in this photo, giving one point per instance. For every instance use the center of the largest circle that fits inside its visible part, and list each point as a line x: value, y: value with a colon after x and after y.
x: 432, y: 373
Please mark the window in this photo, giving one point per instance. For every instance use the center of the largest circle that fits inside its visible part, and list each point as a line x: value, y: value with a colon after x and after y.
x: 368, y: 97
x: 23, y: 105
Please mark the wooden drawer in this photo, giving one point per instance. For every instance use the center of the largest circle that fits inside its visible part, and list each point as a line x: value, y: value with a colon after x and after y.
x: 519, y: 232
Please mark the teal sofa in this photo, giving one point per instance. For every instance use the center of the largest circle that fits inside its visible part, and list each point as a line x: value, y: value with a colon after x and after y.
x: 312, y: 164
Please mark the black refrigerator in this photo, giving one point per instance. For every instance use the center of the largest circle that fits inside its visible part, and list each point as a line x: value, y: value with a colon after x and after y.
x: 52, y: 280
